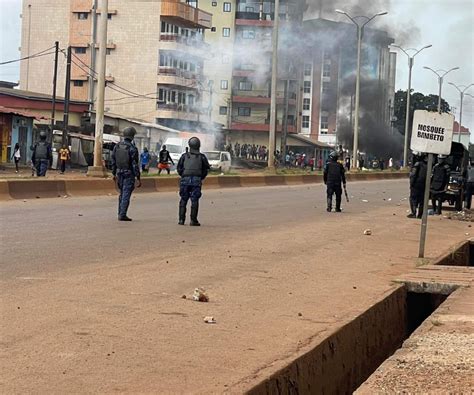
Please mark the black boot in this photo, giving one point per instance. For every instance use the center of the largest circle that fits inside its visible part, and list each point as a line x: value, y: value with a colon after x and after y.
x: 413, y: 209
x: 194, y: 215
x: 182, y: 214
x: 329, y: 209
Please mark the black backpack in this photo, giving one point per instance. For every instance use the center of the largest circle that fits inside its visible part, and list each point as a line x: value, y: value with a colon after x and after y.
x: 122, y: 156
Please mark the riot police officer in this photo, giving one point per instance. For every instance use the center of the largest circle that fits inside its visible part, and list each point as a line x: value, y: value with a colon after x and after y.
x: 417, y: 185
x: 125, y: 170
x: 193, y: 167
x: 334, y: 175
x: 42, y: 155
x: 439, y: 182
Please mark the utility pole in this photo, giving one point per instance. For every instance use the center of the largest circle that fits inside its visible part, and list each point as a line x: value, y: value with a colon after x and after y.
x: 55, y: 79
x: 93, y: 56
x: 67, y: 95
x: 98, y: 169
x: 284, y: 130
x: 274, y: 87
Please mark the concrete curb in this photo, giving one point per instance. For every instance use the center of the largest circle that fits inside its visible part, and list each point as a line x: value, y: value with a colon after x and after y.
x: 44, y: 188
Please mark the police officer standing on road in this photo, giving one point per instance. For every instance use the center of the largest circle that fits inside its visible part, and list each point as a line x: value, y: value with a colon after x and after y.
x: 42, y: 155
x: 193, y: 168
x: 334, y: 175
x: 417, y: 185
x: 125, y: 170
x: 439, y: 182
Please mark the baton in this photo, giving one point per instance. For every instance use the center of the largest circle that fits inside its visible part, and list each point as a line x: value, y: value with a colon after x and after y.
x: 345, y: 193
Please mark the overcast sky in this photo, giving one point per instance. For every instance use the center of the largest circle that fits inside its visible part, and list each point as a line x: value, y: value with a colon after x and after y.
x: 447, y: 24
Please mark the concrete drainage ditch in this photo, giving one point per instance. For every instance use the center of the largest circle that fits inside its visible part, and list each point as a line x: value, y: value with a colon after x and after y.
x: 349, y: 356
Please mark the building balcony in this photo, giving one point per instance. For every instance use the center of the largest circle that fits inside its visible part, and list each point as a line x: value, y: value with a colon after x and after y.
x: 259, y: 127
x: 260, y: 97
x: 178, y: 111
x: 174, y: 76
x: 186, y: 15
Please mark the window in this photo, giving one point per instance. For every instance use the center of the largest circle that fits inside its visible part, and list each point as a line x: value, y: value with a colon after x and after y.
x: 248, y: 34
x: 244, y: 111
x: 82, y: 15
x: 78, y: 83
x: 306, y: 104
x: 307, y: 87
x: 108, y: 51
x: 109, y: 16
x: 222, y: 110
x: 227, y: 7
x: 326, y: 86
x: 305, y: 122
x: 225, y: 32
x: 79, y: 50
x: 245, y: 85
x: 326, y: 70
x: 324, y: 122
x: 307, y: 68
x: 225, y: 59
x: 224, y: 84
x: 213, y: 29
x: 214, y: 3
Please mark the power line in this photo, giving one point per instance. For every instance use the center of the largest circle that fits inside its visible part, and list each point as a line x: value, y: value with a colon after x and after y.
x: 36, y: 55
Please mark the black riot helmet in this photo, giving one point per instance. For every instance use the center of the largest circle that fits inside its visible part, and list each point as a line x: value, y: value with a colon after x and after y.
x: 42, y: 135
x: 194, y: 145
x: 333, y: 155
x: 129, y: 132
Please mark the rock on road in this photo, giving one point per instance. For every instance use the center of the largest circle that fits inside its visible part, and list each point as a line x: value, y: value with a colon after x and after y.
x: 90, y: 304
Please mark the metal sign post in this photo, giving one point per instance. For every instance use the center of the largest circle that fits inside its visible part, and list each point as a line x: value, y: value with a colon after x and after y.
x: 432, y: 133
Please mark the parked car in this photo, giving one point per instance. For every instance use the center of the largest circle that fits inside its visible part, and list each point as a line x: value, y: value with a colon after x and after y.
x: 219, y: 160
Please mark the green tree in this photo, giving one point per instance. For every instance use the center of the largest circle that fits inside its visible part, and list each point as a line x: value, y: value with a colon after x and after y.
x: 418, y: 101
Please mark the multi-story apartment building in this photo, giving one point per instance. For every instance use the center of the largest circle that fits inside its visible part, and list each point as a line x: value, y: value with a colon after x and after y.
x: 218, y: 62
x: 329, y: 57
x: 155, y: 56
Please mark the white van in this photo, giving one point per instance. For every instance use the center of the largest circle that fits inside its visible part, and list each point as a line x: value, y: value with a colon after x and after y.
x: 219, y: 160
x: 176, y: 147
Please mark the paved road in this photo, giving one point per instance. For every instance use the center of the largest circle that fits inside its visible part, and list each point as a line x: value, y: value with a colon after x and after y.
x: 89, y: 303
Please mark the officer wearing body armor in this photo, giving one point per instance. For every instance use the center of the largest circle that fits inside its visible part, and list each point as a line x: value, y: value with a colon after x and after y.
x: 334, y: 175
x: 42, y: 155
x: 417, y: 185
x: 439, y: 183
x: 193, y: 167
x: 126, y: 170
x: 469, y: 185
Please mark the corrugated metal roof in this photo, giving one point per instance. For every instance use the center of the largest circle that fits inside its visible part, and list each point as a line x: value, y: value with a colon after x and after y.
x: 35, y: 96
x: 14, y: 111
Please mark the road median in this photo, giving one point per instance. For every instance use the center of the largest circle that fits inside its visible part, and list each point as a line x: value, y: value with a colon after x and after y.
x: 50, y: 188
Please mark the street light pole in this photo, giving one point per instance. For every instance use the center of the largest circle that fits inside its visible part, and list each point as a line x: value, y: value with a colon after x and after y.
x: 360, y: 32
x: 411, y: 61
x: 461, y: 91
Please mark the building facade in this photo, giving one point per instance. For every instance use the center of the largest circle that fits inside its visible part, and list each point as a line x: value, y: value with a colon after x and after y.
x: 155, y: 56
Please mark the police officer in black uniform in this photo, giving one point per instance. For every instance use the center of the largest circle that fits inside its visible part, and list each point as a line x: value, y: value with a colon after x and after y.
x: 334, y: 175
x: 125, y: 169
x: 439, y: 182
x: 42, y: 155
x: 417, y: 185
x: 193, y: 167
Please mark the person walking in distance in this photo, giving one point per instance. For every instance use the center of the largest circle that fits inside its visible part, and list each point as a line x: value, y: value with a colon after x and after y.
x: 469, y: 186
x: 164, y: 160
x: 439, y: 183
x: 16, y: 156
x: 334, y: 175
x: 193, y: 168
x: 145, y: 160
x: 42, y: 155
x: 125, y: 170
x: 64, y: 156
x: 417, y: 185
